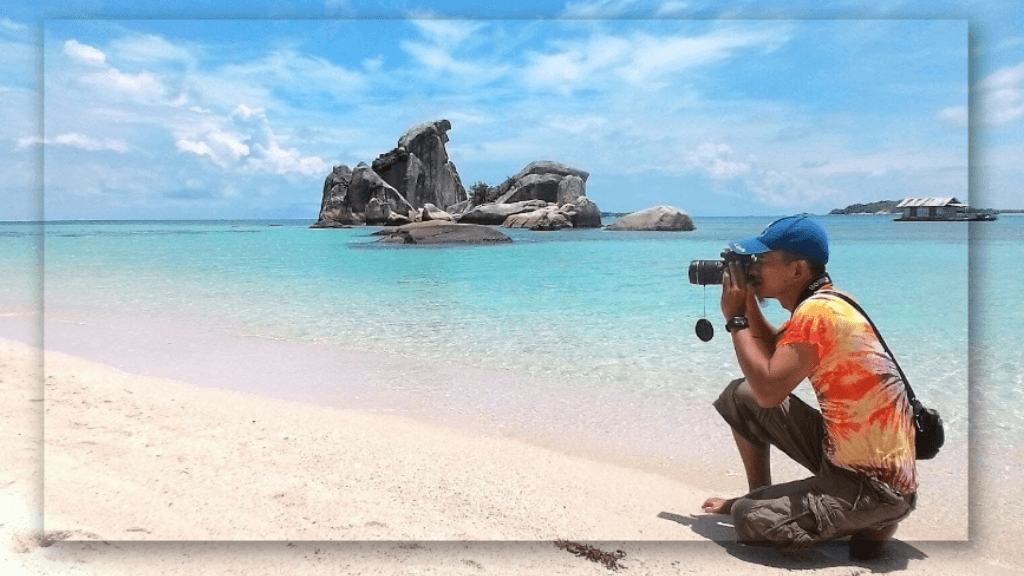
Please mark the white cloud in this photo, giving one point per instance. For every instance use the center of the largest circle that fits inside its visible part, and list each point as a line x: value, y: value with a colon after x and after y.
x: 447, y: 32
x: 267, y: 155
x: 339, y: 8
x: 210, y: 139
x: 1003, y: 95
x: 439, y: 45
x: 597, y: 8
x: 885, y: 162
x: 439, y: 59
x: 84, y: 53
x: 576, y: 65
x: 643, y: 59
x: 672, y: 8
x: 770, y: 186
x: 953, y: 116
x: 141, y: 87
x: 274, y: 159
x: 149, y: 48
x: 28, y: 142
x: 374, y: 64
x: 1011, y: 43
x: 76, y: 140
x: 288, y: 71
x: 655, y: 56
x: 249, y: 145
x: 12, y: 26
x: 716, y: 160
x: 780, y: 188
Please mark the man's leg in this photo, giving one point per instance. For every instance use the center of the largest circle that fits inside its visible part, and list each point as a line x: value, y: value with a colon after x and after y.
x: 870, y: 544
x: 794, y: 427
x: 796, y: 514
x: 756, y: 463
x: 832, y: 504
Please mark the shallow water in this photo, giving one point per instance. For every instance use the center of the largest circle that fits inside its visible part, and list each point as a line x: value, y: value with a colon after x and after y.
x: 576, y: 309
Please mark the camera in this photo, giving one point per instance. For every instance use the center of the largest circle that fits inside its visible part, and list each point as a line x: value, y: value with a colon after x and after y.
x: 705, y: 272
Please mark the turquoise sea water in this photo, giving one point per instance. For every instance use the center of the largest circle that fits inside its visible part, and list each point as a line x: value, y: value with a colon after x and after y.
x: 605, y: 311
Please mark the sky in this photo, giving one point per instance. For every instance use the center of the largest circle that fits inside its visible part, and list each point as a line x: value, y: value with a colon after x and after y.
x: 143, y: 110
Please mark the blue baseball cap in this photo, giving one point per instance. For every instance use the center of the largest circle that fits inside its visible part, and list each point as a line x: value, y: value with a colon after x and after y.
x: 797, y: 234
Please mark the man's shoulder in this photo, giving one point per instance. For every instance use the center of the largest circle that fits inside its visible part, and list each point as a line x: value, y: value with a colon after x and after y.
x: 831, y: 305
x: 819, y: 300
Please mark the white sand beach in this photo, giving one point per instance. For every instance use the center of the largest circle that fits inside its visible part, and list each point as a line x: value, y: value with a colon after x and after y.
x: 147, y: 475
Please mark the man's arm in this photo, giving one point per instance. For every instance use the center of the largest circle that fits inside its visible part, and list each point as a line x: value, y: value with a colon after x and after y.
x: 772, y: 376
x: 760, y: 328
x: 771, y: 372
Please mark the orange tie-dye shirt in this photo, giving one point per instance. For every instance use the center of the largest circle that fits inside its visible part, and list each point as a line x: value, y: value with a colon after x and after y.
x: 868, y: 419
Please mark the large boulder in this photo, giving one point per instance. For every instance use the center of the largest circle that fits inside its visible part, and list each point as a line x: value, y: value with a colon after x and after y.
x: 419, y: 167
x: 431, y: 212
x: 335, y: 210
x: 549, y: 167
x: 539, y: 180
x: 495, y: 214
x: 658, y: 218
x: 552, y: 217
x: 532, y: 187
x: 367, y: 184
x: 379, y: 213
x: 443, y: 232
x: 588, y: 215
x: 543, y: 182
x: 376, y: 212
x: 570, y: 189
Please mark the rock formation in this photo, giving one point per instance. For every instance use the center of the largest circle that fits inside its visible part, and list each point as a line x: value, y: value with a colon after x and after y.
x: 379, y: 202
x: 335, y: 209
x: 419, y: 167
x: 588, y: 215
x: 495, y: 214
x: 398, y: 184
x: 540, y: 186
x: 551, y: 217
x: 658, y: 218
x: 417, y: 182
x: 431, y: 212
x: 442, y: 232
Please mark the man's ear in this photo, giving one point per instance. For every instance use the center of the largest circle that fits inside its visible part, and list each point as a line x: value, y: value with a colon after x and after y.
x: 801, y: 270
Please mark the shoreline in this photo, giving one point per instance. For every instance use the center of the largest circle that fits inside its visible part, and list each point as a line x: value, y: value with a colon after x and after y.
x: 141, y: 458
x: 681, y: 441
x: 533, y: 492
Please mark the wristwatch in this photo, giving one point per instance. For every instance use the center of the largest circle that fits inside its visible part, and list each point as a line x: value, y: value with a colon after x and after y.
x: 737, y: 323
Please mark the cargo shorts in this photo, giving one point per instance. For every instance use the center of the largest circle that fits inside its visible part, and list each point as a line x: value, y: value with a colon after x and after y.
x: 833, y: 503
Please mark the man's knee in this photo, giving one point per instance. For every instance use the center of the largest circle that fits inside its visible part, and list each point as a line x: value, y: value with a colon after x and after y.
x: 771, y: 523
x: 727, y: 401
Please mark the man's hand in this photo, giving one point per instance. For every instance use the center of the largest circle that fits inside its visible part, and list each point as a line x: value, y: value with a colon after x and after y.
x: 737, y: 294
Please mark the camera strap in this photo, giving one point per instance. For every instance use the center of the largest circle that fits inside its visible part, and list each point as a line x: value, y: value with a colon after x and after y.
x: 813, y: 287
x: 906, y: 382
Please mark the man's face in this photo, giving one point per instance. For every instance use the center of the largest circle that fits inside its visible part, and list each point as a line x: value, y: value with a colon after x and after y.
x: 768, y: 273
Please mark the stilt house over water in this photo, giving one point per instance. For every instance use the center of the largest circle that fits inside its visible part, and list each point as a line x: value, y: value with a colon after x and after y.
x: 939, y: 209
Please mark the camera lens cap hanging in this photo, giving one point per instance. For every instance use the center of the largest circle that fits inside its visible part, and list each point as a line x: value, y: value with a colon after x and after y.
x: 705, y: 331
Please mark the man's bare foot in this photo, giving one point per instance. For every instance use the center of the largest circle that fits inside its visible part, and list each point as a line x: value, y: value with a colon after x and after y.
x: 870, y: 544
x: 717, y: 505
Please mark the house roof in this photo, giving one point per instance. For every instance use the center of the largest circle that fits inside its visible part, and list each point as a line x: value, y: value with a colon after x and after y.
x: 929, y: 202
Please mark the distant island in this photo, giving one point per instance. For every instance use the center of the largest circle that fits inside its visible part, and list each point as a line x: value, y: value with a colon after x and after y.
x: 879, y: 207
x: 889, y: 207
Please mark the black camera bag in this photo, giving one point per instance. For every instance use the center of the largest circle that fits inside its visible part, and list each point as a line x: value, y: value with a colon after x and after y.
x: 928, y: 428
x: 929, y: 434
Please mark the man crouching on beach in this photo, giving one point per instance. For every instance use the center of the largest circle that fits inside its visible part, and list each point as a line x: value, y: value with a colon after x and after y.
x: 860, y: 446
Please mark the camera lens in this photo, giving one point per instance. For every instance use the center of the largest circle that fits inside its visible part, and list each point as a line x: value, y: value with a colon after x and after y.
x: 705, y: 272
